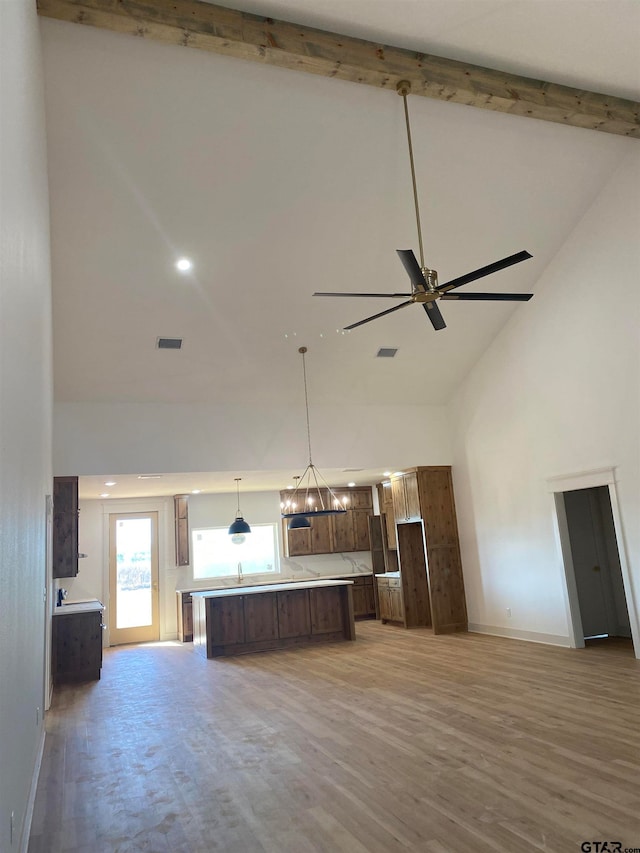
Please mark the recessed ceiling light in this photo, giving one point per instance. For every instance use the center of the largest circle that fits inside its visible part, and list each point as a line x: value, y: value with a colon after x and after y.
x: 184, y: 264
x: 149, y: 476
x: 110, y: 483
x: 195, y: 491
x: 351, y: 485
x: 386, y: 473
x: 104, y: 495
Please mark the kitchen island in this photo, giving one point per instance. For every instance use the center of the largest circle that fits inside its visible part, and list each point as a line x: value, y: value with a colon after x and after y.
x: 237, y: 620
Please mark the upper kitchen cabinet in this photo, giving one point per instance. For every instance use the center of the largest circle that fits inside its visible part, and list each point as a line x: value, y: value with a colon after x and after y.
x: 65, y: 527
x: 333, y: 534
x: 406, y: 497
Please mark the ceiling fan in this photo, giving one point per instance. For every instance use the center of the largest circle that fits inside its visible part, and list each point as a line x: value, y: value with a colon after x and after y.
x: 424, y: 281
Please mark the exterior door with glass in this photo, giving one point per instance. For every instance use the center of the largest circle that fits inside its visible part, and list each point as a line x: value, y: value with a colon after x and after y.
x: 133, y: 578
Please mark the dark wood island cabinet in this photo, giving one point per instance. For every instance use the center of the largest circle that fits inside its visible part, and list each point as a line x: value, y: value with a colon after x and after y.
x: 251, y: 619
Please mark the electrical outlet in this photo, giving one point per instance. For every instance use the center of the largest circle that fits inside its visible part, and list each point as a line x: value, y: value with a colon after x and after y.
x: 509, y: 612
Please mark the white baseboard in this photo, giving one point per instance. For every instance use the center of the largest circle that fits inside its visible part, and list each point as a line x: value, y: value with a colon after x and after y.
x: 28, y: 816
x: 517, y: 634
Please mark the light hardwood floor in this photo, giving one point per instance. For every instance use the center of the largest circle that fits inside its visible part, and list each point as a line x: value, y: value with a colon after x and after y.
x: 401, y: 741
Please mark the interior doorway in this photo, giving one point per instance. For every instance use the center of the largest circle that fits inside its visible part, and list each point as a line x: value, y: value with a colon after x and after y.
x: 133, y: 578
x: 600, y: 599
x: 596, y: 564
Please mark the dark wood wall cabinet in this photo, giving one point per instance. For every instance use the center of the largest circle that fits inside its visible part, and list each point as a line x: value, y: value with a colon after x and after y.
x: 428, y: 549
x: 181, y: 512
x: 76, y: 648
x: 64, y: 548
x: 332, y: 534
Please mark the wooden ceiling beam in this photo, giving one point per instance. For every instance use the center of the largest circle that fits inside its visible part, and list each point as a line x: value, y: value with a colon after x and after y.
x: 192, y: 23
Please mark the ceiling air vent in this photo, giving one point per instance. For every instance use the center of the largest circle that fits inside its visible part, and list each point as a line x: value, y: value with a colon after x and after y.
x: 169, y: 343
x: 386, y: 352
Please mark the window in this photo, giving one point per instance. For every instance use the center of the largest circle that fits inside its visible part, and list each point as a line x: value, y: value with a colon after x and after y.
x: 216, y: 556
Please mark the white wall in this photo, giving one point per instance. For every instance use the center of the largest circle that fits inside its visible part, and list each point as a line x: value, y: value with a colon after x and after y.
x: 131, y: 438
x: 25, y: 411
x: 557, y: 393
x: 217, y: 510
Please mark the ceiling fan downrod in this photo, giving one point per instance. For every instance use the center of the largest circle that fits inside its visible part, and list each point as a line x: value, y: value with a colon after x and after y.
x: 403, y: 88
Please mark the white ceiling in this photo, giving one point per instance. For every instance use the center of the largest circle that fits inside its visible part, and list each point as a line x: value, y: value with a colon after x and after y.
x: 278, y: 183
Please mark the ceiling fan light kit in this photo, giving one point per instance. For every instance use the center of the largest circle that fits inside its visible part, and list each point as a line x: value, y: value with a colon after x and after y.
x: 425, y: 289
x: 312, y: 495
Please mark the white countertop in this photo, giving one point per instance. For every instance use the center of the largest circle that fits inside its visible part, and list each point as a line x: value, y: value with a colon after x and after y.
x: 272, y: 587
x: 212, y: 586
x: 78, y: 607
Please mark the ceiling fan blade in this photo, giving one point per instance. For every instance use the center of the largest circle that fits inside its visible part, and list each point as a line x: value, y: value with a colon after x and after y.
x: 488, y: 270
x: 381, y: 314
x: 489, y: 297
x: 368, y: 295
x: 412, y: 267
x: 433, y: 313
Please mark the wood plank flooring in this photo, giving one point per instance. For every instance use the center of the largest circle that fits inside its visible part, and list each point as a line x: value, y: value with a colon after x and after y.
x: 401, y: 741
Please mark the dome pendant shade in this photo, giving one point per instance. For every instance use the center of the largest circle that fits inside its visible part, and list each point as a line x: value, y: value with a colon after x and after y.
x: 299, y: 522
x: 239, y: 527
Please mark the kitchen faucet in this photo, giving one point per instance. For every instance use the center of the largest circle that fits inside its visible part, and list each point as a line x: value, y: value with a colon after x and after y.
x: 240, y: 573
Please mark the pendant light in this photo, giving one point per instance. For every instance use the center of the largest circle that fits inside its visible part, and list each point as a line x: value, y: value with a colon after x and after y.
x: 312, y: 495
x: 239, y: 527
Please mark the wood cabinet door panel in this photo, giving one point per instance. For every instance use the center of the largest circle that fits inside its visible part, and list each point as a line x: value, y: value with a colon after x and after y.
x: 65, y: 527
x: 438, y: 506
x: 320, y: 535
x: 412, y: 496
x: 294, y: 619
x: 384, y: 601
x: 448, y: 606
x: 227, y: 620
x: 399, y: 499
x: 396, y: 609
x: 343, y: 536
x: 299, y: 541
x: 260, y: 617
x: 326, y: 610
x: 362, y: 539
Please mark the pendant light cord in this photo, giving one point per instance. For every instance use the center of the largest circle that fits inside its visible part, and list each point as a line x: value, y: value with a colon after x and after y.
x: 302, y: 351
x: 238, y: 493
x: 403, y: 92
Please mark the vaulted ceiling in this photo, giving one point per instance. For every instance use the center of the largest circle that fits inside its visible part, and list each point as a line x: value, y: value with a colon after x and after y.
x: 278, y: 183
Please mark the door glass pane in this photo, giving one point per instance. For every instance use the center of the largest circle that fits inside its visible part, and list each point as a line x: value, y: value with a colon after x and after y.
x: 133, y: 562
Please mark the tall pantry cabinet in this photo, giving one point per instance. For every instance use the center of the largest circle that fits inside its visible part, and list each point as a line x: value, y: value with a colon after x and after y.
x: 428, y: 544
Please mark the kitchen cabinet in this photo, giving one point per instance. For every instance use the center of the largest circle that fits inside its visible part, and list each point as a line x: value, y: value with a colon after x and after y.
x: 77, y: 643
x: 272, y: 616
x: 390, y: 599
x: 185, y: 616
x: 64, y: 546
x: 406, y: 498
x: 428, y: 549
x: 181, y: 514
x: 332, y: 534
x: 385, y: 497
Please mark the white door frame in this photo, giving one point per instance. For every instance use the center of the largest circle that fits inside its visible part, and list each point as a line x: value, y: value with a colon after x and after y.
x: 588, y: 480
x: 125, y: 505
